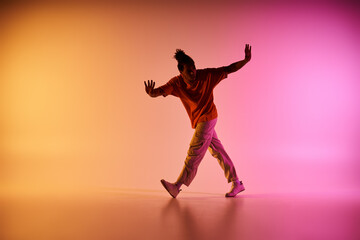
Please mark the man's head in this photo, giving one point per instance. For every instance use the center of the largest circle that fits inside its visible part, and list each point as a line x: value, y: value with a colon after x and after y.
x: 185, y: 65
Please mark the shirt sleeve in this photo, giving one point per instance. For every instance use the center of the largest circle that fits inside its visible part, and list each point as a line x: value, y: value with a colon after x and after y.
x: 217, y: 74
x: 170, y: 87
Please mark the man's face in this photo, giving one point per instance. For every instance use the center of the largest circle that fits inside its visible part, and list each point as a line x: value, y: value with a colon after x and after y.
x: 189, y: 73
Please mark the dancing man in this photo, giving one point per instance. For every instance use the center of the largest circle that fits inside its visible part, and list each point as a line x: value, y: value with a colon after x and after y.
x: 195, y: 87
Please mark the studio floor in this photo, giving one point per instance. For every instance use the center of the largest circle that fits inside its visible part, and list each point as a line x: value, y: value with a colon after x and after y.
x: 143, y: 214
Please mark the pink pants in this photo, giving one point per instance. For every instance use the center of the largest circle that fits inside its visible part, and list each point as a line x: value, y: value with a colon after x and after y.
x: 205, y: 138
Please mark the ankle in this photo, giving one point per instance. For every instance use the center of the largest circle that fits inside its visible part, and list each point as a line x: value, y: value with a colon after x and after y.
x: 178, y: 185
x: 237, y: 182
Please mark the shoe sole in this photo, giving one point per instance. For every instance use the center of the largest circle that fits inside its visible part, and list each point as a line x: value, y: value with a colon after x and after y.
x: 235, y: 194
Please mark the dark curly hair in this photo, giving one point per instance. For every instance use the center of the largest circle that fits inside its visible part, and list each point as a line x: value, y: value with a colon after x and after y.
x: 182, y: 59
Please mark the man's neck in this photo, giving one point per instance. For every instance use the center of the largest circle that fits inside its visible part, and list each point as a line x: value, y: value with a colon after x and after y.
x: 187, y: 82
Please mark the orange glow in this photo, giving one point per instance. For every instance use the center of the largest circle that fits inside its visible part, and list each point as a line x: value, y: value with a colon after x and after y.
x: 75, y: 116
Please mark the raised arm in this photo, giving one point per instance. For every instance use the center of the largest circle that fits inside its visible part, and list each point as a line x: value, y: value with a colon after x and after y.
x: 151, y: 91
x: 237, y: 65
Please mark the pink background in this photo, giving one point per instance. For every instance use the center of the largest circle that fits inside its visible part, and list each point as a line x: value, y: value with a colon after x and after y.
x: 75, y: 116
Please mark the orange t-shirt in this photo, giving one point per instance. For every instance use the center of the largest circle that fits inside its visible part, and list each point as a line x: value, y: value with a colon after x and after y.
x: 197, y: 98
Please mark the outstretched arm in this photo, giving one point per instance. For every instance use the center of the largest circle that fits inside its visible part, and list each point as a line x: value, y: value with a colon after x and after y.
x: 151, y: 91
x: 237, y: 65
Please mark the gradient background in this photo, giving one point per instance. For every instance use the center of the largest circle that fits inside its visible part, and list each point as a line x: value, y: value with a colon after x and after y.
x: 75, y: 116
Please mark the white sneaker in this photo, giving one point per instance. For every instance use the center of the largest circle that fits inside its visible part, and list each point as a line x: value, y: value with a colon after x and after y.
x: 171, y: 188
x: 235, y: 189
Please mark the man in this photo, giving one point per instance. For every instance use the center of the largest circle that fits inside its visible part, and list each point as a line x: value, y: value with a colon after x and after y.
x: 195, y: 90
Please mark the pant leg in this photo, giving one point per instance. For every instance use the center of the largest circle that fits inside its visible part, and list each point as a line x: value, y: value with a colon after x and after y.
x: 198, y: 146
x: 217, y: 150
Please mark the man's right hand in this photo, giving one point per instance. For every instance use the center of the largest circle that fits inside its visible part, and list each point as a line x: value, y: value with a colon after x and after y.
x: 149, y: 87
